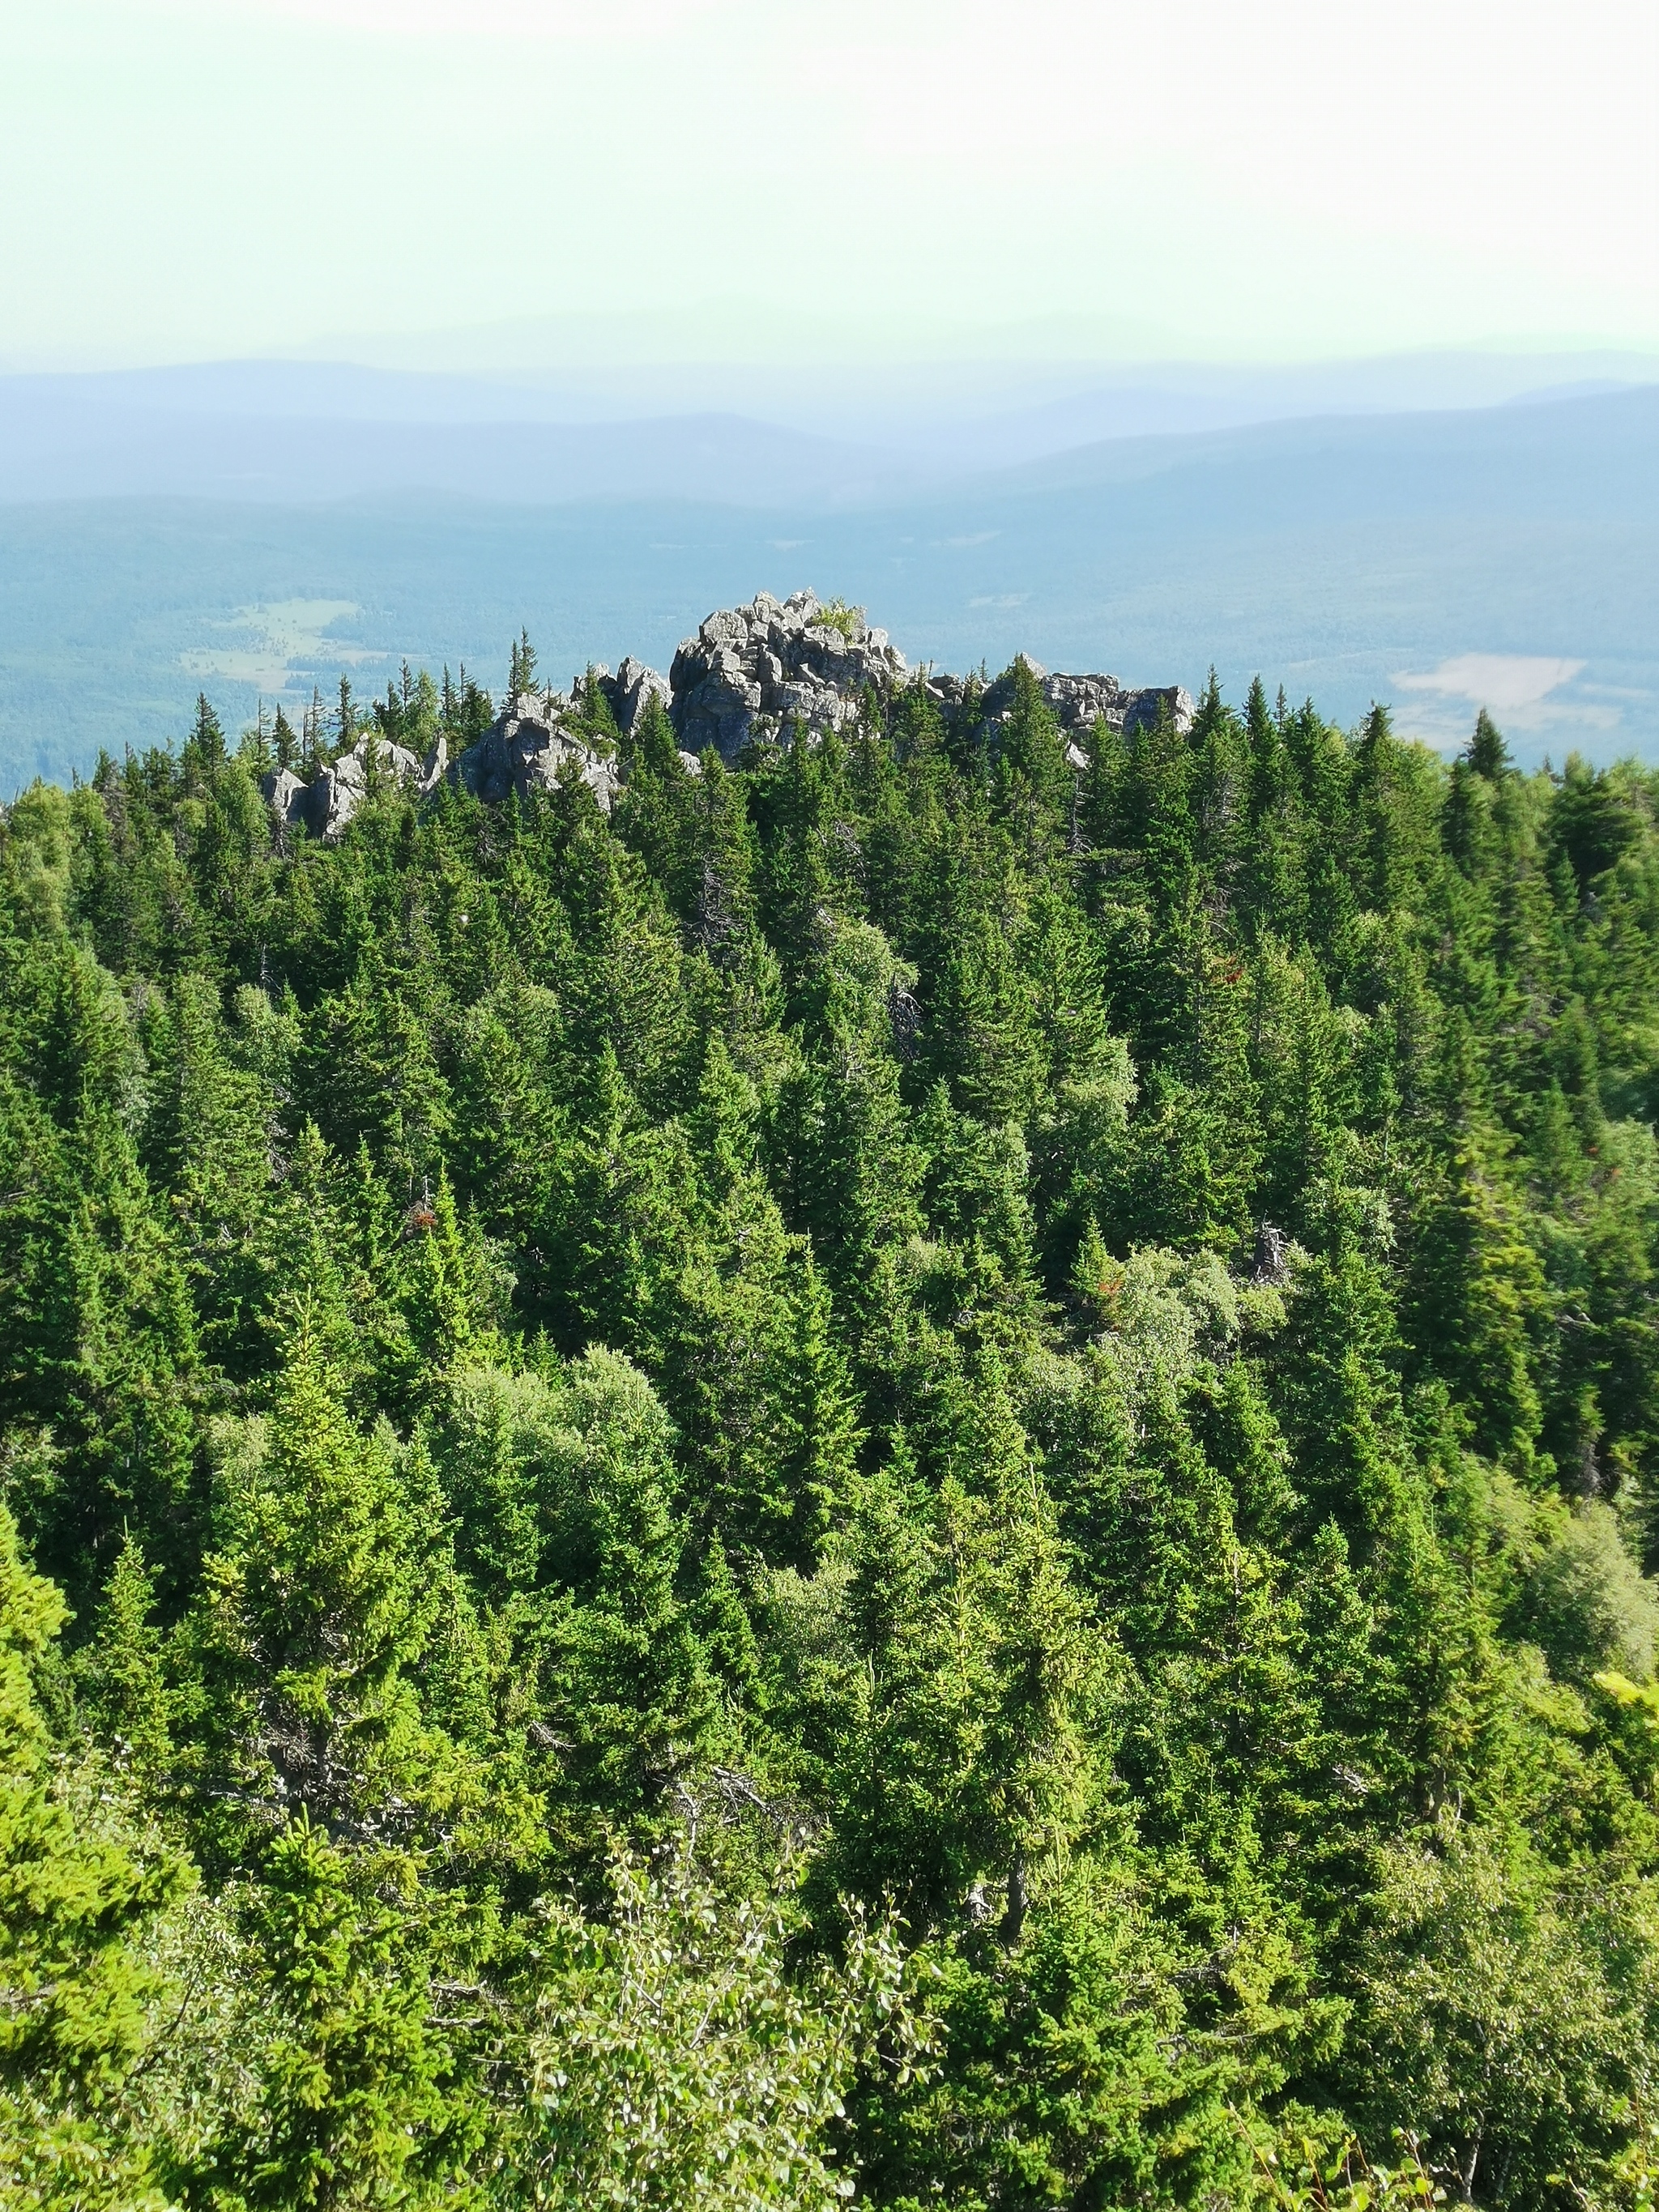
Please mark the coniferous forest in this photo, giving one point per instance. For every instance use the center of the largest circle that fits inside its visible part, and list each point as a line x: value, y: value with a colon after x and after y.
x: 911, y: 1474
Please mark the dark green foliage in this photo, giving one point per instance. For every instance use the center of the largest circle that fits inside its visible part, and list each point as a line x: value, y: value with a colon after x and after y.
x: 1044, y: 1380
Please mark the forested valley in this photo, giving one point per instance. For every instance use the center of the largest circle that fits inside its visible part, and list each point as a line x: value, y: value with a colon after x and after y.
x: 914, y: 1474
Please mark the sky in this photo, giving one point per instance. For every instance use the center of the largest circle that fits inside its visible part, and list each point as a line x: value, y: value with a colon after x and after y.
x: 458, y: 182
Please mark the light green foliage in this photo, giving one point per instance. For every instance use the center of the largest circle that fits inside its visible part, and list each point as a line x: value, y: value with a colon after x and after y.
x: 631, y: 1686
x: 320, y: 1598
x: 41, y: 848
x: 499, y: 1438
x: 120, y: 1674
x: 1512, y: 1997
x: 1298, y: 2173
x: 837, y: 615
x: 1587, y: 1602
x: 347, y: 2103
x: 675, y: 2060
x: 981, y: 1677
x: 78, y: 1886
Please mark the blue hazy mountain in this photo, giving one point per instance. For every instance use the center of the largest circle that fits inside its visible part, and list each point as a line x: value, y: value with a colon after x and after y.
x: 1506, y: 553
x: 302, y: 430
x: 346, y: 435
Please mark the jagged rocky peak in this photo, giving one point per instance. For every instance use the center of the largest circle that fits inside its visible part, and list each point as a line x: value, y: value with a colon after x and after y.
x: 751, y: 670
x: 328, y: 802
x: 523, y: 750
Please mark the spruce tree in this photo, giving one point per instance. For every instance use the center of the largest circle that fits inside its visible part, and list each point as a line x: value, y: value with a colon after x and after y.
x: 77, y: 1897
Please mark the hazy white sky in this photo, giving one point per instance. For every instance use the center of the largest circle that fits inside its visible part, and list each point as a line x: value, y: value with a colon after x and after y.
x: 1266, y: 178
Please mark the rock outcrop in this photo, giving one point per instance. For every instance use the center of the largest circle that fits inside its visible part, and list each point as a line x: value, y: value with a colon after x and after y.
x: 750, y: 673
x: 1146, y: 705
x: 282, y: 788
x: 631, y: 690
x: 328, y: 802
x: 527, y: 747
x: 1078, y: 701
x: 523, y: 750
x: 751, y: 670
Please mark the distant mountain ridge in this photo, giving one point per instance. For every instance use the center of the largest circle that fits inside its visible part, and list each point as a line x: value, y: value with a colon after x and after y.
x: 306, y: 431
x: 56, y: 447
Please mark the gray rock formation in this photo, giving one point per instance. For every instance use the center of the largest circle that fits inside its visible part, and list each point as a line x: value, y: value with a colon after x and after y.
x: 945, y: 691
x: 328, y: 802
x: 751, y: 670
x: 1144, y: 707
x: 341, y: 789
x: 1078, y: 701
x: 282, y: 787
x: 525, y: 748
x: 629, y: 691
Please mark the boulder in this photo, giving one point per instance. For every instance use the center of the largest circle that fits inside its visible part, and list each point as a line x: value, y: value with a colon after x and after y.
x: 945, y: 691
x: 626, y: 694
x: 751, y: 670
x: 332, y: 797
x: 335, y: 796
x: 1077, y: 702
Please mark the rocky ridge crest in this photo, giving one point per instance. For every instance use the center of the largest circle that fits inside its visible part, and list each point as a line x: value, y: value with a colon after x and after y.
x: 750, y: 673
